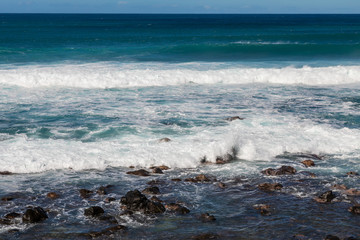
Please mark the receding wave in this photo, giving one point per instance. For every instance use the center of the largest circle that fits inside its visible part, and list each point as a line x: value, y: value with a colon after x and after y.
x: 100, y: 75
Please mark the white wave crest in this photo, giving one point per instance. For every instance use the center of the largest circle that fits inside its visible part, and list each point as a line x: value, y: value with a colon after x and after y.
x: 100, y: 75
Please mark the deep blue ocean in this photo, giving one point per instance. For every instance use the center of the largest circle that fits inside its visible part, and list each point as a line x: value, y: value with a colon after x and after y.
x: 85, y: 96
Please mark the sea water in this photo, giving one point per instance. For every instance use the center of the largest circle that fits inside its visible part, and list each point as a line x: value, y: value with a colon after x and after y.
x: 83, y: 97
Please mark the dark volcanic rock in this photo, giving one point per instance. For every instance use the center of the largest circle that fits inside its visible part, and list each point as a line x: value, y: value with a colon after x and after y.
x: 12, y: 215
x: 5, y: 222
x: 162, y: 167
x: 52, y: 195
x: 93, y: 211
x: 355, y: 209
x: 224, y: 159
x: 308, y: 163
x: 34, y: 215
x: 270, y: 186
x: 199, y: 178
x: 331, y: 237
x: 284, y: 170
x: 6, y: 173
x: 174, y: 207
x: 325, y: 197
x: 140, y: 172
x: 136, y: 201
x: 109, y: 199
x: 155, y: 199
x: 206, y: 217
x: 157, y: 170
x: 151, y: 190
x: 352, y: 173
x: 103, y: 190
x: 84, y: 193
x: 234, y: 118
x: 107, y: 232
x: 176, y: 180
x: 221, y: 185
x: 206, y: 236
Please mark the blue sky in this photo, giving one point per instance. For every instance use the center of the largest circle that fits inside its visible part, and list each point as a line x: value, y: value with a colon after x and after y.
x: 180, y: 6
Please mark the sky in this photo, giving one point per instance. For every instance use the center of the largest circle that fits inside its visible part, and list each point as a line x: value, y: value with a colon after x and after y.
x: 180, y: 6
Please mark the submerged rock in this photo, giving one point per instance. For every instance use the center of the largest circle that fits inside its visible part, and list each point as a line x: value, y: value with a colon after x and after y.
x: 34, y: 215
x: 331, y: 237
x: 308, y: 163
x: 270, y: 186
x: 325, y: 197
x: 206, y: 217
x: 140, y: 172
x: 264, y: 209
x: 107, y: 231
x: 162, y: 140
x: 151, y: 190
x: 352, y: 173
x: 84, y: 193
x: 284, y: 170
x: 355, y: 209
x: 12, y: 215
x: 52, y: 195
x: 93, y: 211
x: 234, y: 118
x: 174, y: 207
x: 199, y: 178
x: 206, y: 236
x: 103, y: 190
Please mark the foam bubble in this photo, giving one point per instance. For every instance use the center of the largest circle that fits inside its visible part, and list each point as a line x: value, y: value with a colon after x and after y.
x: 101, y: 75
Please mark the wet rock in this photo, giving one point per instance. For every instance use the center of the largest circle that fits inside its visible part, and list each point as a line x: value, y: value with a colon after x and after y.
x: 331, y: 237
x: 109, y: 199
x: 339, y: 187
x: 5, y: 222
x: 325, y: 197
x: 308, y: 174
x: 103, y: 190
x: 108, y: 231
x: 221, y: 185
x: 270, y: 186
x: 52, y: 195
x: 6, y: 173
x: 352, y: 173
x: 93, y: 211
x: 136, y: 201
x: 156, y: 182
x: 284, y: 170
x: 34, y: 215
x: 155, y: 199
x: 140, y: 172
x: 308, y: 163
x: 7, y: 198
x: 12, y: 215
x: 162, y: 167
x: 151, y: 190
x: 355, y: 209
x: 264, y: 209
x: 163, y: 140
x: 206, y: 236
x: 227, y: 158
x: 351, y: 238
x: 234, y: 118
x: 131, y: 166
x: 352, y: 192
x: 157, y: 170
x: 206, y: 217
x: 84, y: 193
x: 199, y: 178
x: 176, y: 180
x: 174, y: 207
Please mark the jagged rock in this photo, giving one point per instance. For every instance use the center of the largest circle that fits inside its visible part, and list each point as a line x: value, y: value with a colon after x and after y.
x: 52, y: 195
x: 174, y: 207
x: 136, y: 201
x: 162, y: 140
x: 331, y: 237
x: 264, y: 209
x: 107, y: 232
x: 206, y: 217
x: 355, y: 209
x: 6, y: 173
x: 93, y: 211
x: 34, y: 215
x: 84, y: 193
x: 109, y: 199
x: 234, y: 118
x: 155, y: 199
x: 206, y: 236
x: 352, y: 173
x: 284, y: 170
x: 325, y: 197
x: 140, y: 172
x: 151, y: 190
x: 308, y: 163
x: 270, y: 186
x: 176, y: 180
x: 157, y: 170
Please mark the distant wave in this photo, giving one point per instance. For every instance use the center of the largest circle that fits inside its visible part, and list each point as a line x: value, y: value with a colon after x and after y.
x: 101, y: 75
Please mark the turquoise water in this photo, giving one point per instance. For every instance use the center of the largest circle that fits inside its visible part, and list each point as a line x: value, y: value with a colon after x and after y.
x: 83, y: 97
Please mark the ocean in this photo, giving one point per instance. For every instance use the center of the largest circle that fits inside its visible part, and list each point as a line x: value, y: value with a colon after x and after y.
x: 85, y: 96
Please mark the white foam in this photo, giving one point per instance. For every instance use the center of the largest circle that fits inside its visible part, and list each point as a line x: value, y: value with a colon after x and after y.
x: 258, y: 139
x: 102, y: 75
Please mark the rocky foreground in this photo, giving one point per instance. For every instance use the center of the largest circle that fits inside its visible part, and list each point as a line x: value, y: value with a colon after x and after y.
x: 114, y: 216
